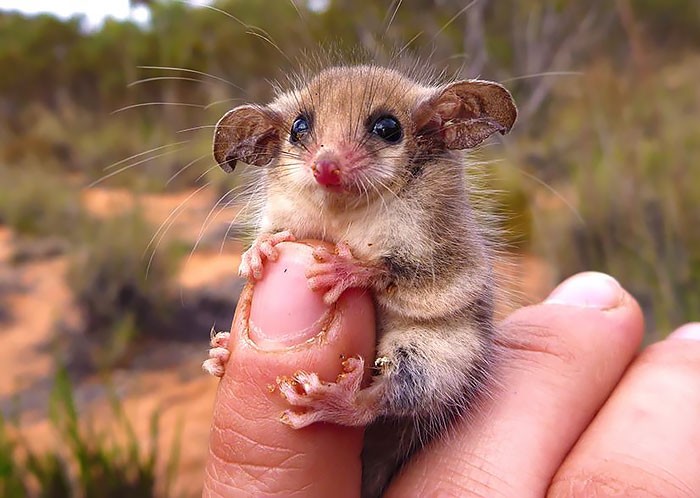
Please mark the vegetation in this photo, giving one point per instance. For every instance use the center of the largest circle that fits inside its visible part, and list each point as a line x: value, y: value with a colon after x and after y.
x: 598, y: 174
x: 634, y: 186
x: 122, y: 283
x: 88, y: 463
x: 36, y: 203
x: 605, y: 132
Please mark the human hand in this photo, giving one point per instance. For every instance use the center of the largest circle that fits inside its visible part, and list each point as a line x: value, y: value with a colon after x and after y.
x: 575, y: 410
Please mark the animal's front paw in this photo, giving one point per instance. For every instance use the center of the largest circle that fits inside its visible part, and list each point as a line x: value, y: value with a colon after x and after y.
x: 263, y: 248
x: 340, y: 402
x: 333, y: 272
x: 218, y: 354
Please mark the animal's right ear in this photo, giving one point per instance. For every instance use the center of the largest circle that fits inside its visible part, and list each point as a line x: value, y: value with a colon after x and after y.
x: 247, y: 133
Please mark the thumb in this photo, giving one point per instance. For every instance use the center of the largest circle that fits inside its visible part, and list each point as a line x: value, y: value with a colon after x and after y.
x: 280, y: 327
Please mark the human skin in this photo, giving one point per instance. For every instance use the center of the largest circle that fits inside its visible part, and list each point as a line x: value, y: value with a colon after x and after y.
x: 577, y: 410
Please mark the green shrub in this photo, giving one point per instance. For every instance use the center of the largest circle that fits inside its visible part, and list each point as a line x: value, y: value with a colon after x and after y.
x: 38, y: 203
x: 628, y: 148
x: 87, y: 463
x: 130, y: 152
x: 121, y: 283
x: 12, y: 483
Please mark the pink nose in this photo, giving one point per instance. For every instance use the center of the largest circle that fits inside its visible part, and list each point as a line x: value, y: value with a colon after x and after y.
x: 327, y: 173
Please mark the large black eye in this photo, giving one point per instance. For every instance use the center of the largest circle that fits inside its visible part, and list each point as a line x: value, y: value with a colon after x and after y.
x: 388, y: 128
x: 300, y: 127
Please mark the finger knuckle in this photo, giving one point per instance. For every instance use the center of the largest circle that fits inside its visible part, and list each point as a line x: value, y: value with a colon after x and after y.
x: 617, y: 480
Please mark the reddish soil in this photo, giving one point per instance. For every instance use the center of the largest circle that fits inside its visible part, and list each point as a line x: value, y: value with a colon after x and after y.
x: 183, y: 392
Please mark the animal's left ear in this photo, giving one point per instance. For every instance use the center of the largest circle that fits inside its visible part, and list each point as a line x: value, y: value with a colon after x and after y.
x: 464, y: 114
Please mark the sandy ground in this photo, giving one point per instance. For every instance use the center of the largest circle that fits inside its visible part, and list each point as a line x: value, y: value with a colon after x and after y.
x: 183, y: 393
x: 39, y: 297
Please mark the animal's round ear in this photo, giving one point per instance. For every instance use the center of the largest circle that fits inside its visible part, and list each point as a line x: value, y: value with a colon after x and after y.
x: 463, y: 114
x: 247, y: 133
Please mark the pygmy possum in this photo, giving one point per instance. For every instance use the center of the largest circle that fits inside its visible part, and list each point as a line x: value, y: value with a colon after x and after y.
x: 372, y: 160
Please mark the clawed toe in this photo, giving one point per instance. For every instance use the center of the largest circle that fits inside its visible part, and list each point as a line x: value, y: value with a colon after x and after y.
x: 322, y: 254
x: 270, y: 252
x: 300, y: 390
x: 316, y: 400
x: 215, y: 366
x: 218, y: 354
x: 219, y: 339
x: 333, y: 272
x: 299, y: 420
x: 263, y: 248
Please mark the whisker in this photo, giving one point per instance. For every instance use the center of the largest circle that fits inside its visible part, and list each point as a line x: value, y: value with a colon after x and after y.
x: 255, y: 192
x: 546, y: 73
x: 388, y: 189
x: 206, y: 171
x: 408, y: 44
x: 220, y: 11
x: 129, y: 166
x: 270, y: 42
x: 194, y: 71
x: 218, y: 207
x: 145, y: 104
x: 218, y: 102
x: 172, y: 213
x: 185, y: 167
x: 454, y: 18
x: 393, y: 15
x: 166, y: 224
x: 154, y: 149
x: 296, y: 7
x: 195, y: 128
x: 160, y: 78
x: 555, y: 192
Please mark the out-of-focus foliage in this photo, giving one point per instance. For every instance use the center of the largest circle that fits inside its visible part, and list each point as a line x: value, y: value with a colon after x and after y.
x: 110, y: 462
x: 52, y: 62
x: 122, y: 284
x: 37, y: 203
x: 614, y: 138
x: 627, y: 150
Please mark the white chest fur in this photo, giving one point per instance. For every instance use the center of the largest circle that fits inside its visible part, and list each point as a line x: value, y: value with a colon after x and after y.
x: 370, y: 230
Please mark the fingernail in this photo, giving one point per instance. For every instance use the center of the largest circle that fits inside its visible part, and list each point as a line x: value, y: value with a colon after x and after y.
x: 688, y: 331
x: 588, y: 290
x: 284, y: 312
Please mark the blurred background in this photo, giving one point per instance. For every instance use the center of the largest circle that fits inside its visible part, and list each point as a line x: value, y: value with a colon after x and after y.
x: 120, y: 240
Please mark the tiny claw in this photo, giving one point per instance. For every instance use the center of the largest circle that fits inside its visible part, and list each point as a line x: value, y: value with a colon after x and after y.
x: 343, y: 249
x: 321, y: 254
x: 382, y: 364
x: 350, y: 364
x: 284, y: 379
x: 382, y: 361
x: 219, y: 339
x: 336, y: 402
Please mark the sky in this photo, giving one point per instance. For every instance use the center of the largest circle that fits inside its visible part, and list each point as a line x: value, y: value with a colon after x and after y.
x: 95, y: 11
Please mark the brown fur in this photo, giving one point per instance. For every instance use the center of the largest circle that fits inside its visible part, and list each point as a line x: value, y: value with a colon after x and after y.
x: 405, y: 209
